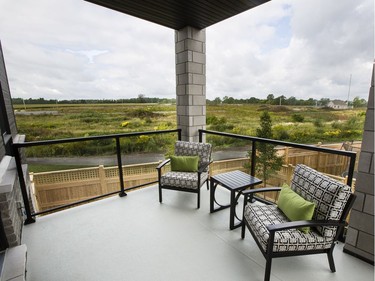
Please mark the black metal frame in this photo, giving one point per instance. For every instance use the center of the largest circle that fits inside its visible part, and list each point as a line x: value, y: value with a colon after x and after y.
x: 197, y: 190
x: 269, y: 254
x: 30, y: 217
x: 214, y: 182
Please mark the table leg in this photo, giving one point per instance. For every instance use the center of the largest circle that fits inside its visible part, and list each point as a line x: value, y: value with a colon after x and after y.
x: 213, y: 186
x: 232, y: 209
x: 212, y: 195
x: 233, y: 215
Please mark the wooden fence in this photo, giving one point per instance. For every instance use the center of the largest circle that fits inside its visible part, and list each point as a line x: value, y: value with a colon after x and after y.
x: 53, y: 189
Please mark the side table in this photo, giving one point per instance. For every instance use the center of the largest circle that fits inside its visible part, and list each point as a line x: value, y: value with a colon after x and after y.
x: 234, y: 181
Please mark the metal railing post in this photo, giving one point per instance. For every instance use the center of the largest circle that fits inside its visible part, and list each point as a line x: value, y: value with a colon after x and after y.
x: 253, y: 158
x: 351, y: 170
x: 200, y: 135
x: 179, y: 134
x: 119, y: 164
x: 17, y: 157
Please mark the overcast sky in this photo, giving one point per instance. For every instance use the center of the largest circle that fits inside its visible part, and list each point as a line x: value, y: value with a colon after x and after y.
x: 72, y: 49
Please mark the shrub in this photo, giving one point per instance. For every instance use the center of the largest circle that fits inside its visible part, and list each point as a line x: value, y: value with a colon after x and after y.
x: 219, y: 124
x: 143, y: 113
x: 318, y: 123
x: 298, y: 118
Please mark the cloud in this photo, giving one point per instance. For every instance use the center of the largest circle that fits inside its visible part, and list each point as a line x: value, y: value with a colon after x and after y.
x: 326, y: 44
x: 73, y: 49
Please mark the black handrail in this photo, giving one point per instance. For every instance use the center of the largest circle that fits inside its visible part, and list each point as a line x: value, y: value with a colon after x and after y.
x: 352, y: 155
x: 16, y: 146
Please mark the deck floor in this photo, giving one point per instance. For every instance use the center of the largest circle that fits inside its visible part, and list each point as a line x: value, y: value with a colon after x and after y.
x: 136, y: 238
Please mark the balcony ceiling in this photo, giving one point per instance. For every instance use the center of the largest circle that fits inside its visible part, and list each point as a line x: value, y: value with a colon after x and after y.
x: 178, y: 14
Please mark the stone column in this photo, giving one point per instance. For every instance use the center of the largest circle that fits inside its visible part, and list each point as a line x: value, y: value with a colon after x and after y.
x: 360, y: 235
x: 190, y: 45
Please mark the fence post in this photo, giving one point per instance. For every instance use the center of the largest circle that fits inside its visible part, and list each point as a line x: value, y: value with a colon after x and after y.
x: 102, y: 180
x: 29, y: 218
x: 286, y: 157
x: 119, y: 164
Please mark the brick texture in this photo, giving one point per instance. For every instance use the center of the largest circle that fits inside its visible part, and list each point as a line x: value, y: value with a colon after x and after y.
x: 10, y: 207
x: 360, y: 234
x: 190, y: 48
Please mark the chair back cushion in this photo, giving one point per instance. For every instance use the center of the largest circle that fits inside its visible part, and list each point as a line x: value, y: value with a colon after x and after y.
x: 328, y: 195
x: 203, y: 150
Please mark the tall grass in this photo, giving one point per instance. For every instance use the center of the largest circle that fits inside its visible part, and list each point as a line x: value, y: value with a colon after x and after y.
x: 296, y: 124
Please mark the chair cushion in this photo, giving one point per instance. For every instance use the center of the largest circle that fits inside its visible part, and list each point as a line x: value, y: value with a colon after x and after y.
x: 203, y: 150
x: 259, y: 216
x: 328, y: 195
x: 187, y: 180
x: 184, y: 163
x: 295, y: 207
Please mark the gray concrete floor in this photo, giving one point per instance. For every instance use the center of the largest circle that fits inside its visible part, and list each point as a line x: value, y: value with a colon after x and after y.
x: 136, y: 238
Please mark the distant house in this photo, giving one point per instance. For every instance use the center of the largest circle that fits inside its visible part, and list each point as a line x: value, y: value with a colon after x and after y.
x: 338, y: 104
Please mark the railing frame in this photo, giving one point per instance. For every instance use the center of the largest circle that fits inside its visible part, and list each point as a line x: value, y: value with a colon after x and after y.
x: 352, y: 155
x: 30, y: 217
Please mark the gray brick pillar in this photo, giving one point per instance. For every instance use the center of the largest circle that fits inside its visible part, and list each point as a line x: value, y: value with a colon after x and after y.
x: 190, y: 45
x: 360, y: 235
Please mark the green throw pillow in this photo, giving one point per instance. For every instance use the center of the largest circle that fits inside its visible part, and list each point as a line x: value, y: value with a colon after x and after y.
x: 184, y: 163
x: 295, y: 207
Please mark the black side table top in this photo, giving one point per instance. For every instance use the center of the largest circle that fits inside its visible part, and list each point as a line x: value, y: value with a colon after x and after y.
x: 235, y: 180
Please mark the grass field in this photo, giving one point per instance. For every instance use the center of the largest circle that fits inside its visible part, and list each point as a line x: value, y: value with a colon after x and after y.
x: 297, y: 124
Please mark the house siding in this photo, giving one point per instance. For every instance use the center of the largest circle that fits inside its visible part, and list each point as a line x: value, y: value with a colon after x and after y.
x: 6, y: 99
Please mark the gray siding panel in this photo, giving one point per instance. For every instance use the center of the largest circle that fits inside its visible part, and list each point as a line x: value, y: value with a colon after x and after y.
x: 6, y: 97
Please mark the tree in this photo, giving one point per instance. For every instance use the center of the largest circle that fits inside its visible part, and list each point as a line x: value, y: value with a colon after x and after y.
x: 358, y: 102
x: 324, y: 101
x: 267, y: 161
x: 270, y: 98
x: 291, y: 101
x: 217, y: 100
x: 279, y: 100
x: 141, y: 98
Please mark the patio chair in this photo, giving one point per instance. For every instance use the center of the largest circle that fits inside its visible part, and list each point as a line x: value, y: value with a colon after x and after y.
x: 184, y: 178
x: 278, y: 236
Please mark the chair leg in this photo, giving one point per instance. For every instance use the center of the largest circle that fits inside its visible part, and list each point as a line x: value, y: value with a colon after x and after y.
x: 160, y: 195
x: 243, y: 229
x: 199, y: 198
x: 331, y: 261
x: 267, y: 273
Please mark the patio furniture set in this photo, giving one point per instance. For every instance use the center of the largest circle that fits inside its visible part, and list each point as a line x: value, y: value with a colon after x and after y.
x: 308, y: 218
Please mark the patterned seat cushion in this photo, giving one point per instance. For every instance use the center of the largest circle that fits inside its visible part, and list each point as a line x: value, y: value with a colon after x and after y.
x: 203, y: 150
x: 259, y: 216
x: 328, y: 195
x: 187, y: 180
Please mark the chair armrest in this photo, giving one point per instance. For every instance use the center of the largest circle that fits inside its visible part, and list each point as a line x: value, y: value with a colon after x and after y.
x: 298, y: 224
x: 162, y: 164
x: 204, y: 166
